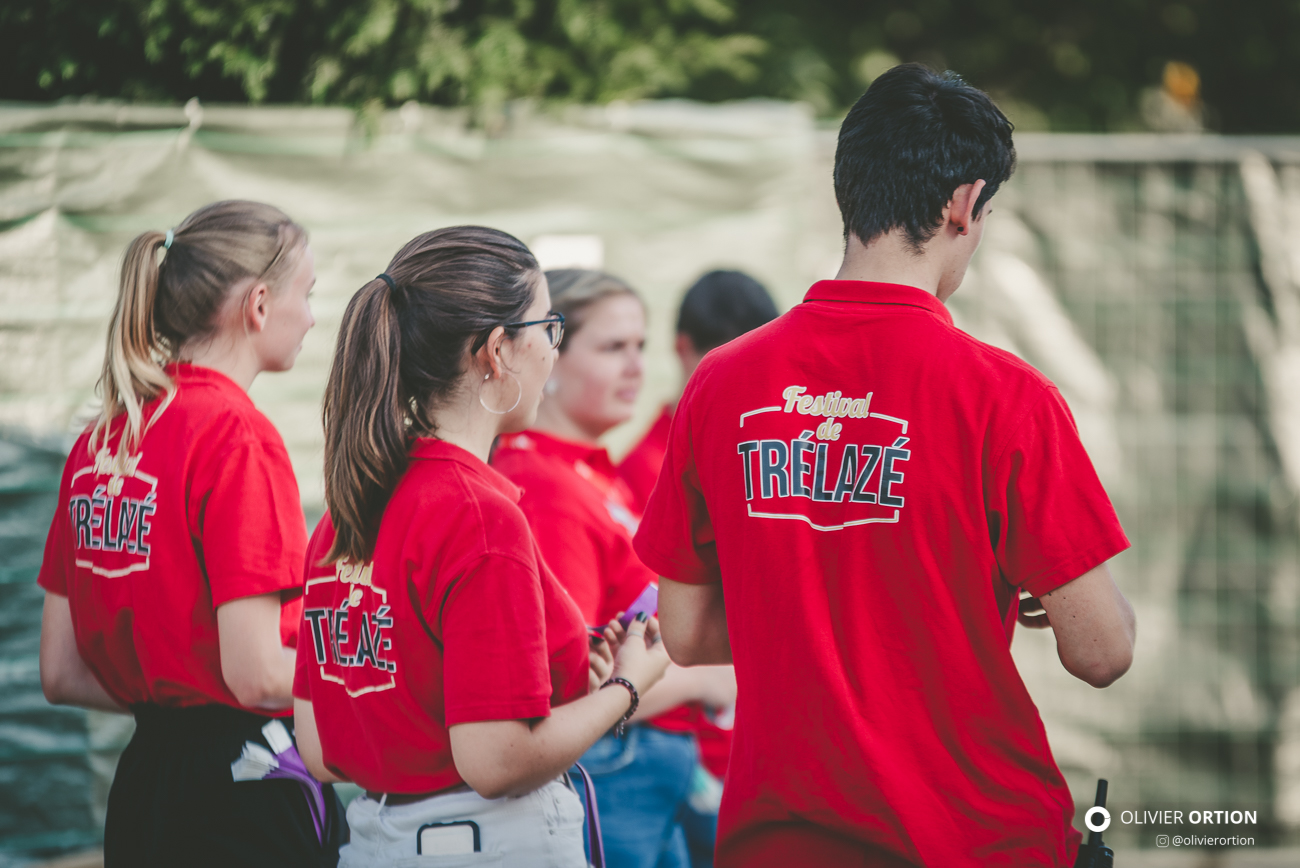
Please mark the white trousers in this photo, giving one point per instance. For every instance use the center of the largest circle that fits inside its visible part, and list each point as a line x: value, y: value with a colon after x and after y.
x: 542, y: 829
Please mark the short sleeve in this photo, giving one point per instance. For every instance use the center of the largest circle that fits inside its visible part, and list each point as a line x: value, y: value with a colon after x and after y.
x: 1050, y: 517
x: 572, y: 553
x: 251, y: 525
x: 55, y: 563
x: 675, y: 538
x: 493, y: 630
x: 592, y: 559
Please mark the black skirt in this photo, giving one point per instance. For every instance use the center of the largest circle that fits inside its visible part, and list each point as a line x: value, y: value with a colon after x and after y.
x: 174, y: 801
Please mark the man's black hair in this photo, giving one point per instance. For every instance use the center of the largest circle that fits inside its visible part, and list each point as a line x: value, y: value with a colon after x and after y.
x: 721, y: 306
x: 912, y: 139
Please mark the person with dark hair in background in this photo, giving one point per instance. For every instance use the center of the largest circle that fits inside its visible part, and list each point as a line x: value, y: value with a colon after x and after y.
x: 719, y: 307
x: 173, y: 568
x: 580, y: 514
x: 441, y: 665
x: 855, y: 498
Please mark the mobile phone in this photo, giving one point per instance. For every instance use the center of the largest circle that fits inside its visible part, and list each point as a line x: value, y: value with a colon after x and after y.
x: 447, y: 839
x: 648, y: 602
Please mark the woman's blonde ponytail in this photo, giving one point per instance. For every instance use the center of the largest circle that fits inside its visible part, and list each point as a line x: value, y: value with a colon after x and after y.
x: 133, y: 373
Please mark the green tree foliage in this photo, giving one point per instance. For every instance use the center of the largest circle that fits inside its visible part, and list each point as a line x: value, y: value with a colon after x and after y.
x: 1066, y: 66
x: 1073, y: 65
x: 450, y: 52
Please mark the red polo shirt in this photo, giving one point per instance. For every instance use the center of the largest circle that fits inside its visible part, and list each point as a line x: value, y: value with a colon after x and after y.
x: 145, y: 549
x: 456, y: 619
x: 640, y: 466
x: 873, y: 487
x: 581, y: 514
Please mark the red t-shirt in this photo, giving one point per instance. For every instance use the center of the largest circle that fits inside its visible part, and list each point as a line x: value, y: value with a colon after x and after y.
x: 580, y: 512
x: 456, y: 619
x: 871, y: 561
x: 640, y: 467
x: 204, y: 512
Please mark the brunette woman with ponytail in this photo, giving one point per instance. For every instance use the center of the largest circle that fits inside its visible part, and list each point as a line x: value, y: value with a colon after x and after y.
x: 173, y: 568
x: 441, y: 666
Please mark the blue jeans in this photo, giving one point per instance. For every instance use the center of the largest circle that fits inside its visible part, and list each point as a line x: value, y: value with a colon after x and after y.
x: 642, y: 781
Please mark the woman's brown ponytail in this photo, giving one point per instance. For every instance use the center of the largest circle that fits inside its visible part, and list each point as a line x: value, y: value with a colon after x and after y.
x: 401, y: 352
x: 365, y: 420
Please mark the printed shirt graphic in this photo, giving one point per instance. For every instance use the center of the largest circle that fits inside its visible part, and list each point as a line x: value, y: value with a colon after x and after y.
x: 873, y: 488
x: 455, y: 619
x: 146, y: 545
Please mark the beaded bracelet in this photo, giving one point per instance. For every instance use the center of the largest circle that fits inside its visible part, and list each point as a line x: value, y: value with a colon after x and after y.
x: 620, y: 728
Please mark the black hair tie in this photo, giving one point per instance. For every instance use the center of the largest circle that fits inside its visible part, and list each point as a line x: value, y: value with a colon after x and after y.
x: 388, y: 280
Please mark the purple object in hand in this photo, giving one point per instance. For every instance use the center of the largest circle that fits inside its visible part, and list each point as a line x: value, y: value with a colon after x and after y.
x: 647, y: 602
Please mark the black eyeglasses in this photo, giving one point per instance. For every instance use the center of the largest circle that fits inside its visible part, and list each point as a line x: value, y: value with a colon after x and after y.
x: 554, y: 327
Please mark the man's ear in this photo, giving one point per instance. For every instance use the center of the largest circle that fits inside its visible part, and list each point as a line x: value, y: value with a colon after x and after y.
x: 684, y: 346
x: 961, y: 207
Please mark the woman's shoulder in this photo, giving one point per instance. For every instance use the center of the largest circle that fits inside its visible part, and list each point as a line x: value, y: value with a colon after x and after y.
x: 472, y: 507
x: 218, y: 419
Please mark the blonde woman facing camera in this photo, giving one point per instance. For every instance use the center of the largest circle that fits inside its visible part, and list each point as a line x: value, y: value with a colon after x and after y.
x: 583, y: 518
x: 441, y: 666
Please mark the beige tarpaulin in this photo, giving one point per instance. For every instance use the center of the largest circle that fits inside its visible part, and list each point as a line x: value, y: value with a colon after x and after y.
x: 1150, y: 277
x: 668, y: 189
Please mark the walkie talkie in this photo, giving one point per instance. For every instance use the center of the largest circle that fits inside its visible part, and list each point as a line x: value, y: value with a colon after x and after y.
x: 1096, y: 854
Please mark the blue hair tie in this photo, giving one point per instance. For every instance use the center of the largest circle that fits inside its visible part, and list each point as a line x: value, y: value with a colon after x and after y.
x: 388, y: 280
x: 171, y: 236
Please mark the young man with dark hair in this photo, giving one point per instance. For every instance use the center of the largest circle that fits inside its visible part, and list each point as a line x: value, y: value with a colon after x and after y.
x: 853, y: 499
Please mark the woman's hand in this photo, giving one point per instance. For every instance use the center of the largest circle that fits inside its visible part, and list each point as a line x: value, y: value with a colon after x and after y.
x: 511, y: 757
x: 641, y: 658
x: 602, y: 664
x: 615, y: 634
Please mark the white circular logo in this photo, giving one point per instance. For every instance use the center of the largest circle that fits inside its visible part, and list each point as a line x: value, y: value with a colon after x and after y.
x: 1097, y: 825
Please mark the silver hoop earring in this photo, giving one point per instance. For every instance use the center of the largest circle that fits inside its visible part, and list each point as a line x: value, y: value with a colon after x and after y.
x: 488, y: 376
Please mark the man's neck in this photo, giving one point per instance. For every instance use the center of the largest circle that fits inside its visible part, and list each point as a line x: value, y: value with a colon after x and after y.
x: 890, y: 259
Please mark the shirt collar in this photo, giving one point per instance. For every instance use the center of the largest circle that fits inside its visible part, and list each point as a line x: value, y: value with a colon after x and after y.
x: 184, y: 372
x: 433, y: 449
x: 869, y: 292
x: 594, y: 456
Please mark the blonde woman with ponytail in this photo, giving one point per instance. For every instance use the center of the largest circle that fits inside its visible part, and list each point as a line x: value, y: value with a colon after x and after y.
x: 173, y: 568
x: 441, y: 665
